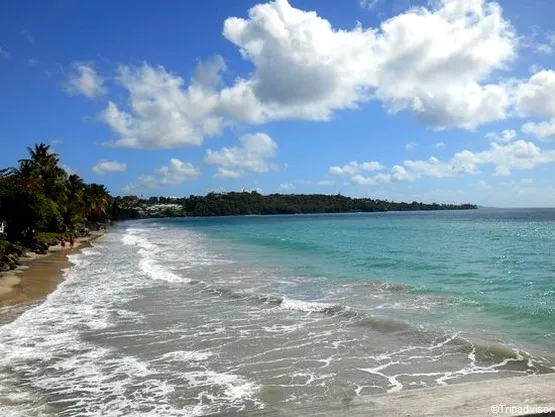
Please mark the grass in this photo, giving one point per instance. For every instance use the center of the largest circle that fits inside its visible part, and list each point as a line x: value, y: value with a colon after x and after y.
x: 48, y: 235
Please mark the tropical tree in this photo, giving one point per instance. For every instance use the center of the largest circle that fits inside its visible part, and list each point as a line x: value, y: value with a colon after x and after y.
x: 97, y: 202
x: 39, y: 190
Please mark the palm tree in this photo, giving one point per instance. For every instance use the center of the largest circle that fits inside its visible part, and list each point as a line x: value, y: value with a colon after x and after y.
x: 97, y: 201
x: 74, y: 213
x: 43, y: 171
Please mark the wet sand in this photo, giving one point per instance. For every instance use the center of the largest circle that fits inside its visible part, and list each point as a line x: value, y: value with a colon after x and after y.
x: 36, y: 277
x: 519, y: 396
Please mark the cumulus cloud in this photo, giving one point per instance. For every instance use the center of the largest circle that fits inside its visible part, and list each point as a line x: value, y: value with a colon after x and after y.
x: 355, y: 167
x: 536, y: 97
x: 437, y: 62
x: 543, y: 131
x: 161, y: 112
x: 440, y: 145
x: 518, y: 155
x: 83, y: 79
x: 250, y: 156
x: 430, y: 61
x: 176, y: 172
x: 505, y: 136
x: 106, y: 167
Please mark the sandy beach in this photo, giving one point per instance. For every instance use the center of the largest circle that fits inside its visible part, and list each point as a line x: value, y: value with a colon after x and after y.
x: 36, y: 277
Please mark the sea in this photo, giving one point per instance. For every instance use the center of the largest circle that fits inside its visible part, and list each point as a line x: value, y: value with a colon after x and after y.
x: 193, y: 316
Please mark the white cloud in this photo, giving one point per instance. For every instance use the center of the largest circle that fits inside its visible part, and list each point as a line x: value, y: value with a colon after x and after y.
x: 544, y: 48
x: 369, y: 4
x: 287, y: 187
x: 5, y: 53
x: 176, y: 172
x: 32, y: 62
x: 540, y: 41
x: 440, y: 145
x: 536, y: 97
x: 437, y: 62
x: 355, y: 167
x: 106, y: 167
x: 162, y: 113
x: 430, y: 61
x: 519, y: 155
x: 83, y: 79
x: 410, y: 146
x: 506, y: 136
x: 544, y: 130
x: 250, y: 156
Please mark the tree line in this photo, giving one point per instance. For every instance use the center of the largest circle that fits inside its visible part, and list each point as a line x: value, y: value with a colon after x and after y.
x: 254, y: 203
x: 39, y: 196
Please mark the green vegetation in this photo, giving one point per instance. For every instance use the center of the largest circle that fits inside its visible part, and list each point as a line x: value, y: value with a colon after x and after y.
x: 249, y: 203
x: 40, y: 201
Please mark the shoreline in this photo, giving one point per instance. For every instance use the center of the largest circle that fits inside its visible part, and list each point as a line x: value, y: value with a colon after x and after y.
x: 36, y: 277
x: 517, y: 396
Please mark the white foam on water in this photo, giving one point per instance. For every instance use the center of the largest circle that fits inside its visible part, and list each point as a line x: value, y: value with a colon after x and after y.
x: 150, y: 252
x: 234, y: 387
x: 56, y: 371
x: 185, y: 356
x: 156, y: 271
x: 306, y: 306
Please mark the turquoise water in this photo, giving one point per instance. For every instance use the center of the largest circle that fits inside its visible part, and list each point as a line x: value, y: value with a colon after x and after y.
x: 187, y: 317
x: 494, y: 269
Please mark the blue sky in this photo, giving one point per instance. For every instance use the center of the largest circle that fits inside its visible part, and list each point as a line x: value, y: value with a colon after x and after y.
x: 447, y: 100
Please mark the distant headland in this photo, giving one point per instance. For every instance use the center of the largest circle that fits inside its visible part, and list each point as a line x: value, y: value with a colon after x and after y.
x: 253, y: 203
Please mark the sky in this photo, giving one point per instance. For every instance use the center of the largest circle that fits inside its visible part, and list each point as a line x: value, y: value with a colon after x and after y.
x: 437, y: 101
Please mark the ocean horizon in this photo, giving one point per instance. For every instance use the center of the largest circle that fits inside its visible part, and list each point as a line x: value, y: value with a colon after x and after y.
x: 192, y: 316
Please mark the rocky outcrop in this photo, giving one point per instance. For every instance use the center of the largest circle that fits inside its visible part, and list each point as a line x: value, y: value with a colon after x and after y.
x: 9, y: 258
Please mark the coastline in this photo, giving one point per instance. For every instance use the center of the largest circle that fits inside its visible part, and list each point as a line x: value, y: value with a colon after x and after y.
x: 518, y: 396
x: 36, y: 277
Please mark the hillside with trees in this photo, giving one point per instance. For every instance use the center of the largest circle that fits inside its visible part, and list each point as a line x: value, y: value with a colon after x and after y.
x: 253, y: 203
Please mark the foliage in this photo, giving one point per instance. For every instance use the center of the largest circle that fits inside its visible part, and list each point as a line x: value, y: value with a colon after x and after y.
x: 39, y: 196
x: 48, y: 235
x: 20, y: 208
x: 253, y: 203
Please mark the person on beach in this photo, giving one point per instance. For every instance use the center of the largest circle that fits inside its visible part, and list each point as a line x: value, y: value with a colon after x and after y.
x: 71, y: 241
x: 63, y: 242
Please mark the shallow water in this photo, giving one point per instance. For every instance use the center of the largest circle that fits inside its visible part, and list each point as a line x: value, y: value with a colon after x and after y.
x: 182, y: 317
